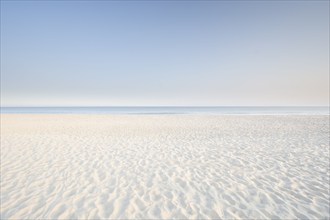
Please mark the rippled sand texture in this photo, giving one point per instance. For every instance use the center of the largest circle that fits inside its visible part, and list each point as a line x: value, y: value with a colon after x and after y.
x: 166, y: 166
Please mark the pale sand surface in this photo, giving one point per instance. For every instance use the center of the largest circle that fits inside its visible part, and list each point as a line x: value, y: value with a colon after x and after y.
x: 164, y: 166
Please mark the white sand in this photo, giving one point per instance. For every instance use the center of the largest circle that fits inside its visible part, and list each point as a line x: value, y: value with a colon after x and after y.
x: 179, y: 166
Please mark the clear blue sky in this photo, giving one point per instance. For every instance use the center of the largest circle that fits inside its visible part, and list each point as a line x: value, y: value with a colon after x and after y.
x: 100, y: 53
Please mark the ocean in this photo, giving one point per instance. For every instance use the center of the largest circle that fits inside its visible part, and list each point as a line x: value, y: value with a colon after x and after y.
x: 216, y: 110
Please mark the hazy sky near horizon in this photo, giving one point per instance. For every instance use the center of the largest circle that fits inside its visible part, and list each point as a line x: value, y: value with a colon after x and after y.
x: 105, y: 53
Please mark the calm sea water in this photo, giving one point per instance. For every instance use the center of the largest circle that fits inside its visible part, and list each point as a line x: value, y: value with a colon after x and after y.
x: 169, y: 110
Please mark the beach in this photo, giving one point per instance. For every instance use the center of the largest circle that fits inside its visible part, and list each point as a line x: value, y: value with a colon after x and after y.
x: 88, y: 166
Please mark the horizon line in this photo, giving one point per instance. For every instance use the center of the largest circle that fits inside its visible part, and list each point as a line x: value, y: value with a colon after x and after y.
x: 165, y: 106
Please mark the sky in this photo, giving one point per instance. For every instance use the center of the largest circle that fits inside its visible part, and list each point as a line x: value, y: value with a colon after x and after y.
x: 165, y: 53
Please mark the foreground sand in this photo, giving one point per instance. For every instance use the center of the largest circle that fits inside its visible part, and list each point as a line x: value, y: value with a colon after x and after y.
x: 179, y: 166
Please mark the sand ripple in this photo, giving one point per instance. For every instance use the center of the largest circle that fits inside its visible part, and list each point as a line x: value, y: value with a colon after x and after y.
x: 84, y: 166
